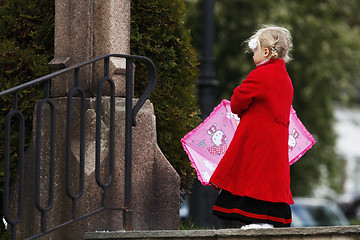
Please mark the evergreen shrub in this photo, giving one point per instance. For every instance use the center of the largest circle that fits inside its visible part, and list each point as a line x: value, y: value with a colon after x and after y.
x: 158, y: 32
x: 26, y: 47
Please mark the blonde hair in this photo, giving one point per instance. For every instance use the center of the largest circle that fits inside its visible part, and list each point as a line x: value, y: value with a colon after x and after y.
x: 277, y: 39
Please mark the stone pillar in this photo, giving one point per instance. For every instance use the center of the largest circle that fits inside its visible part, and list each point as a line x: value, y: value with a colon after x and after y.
x: 85, y: 29
x: 112, y: 35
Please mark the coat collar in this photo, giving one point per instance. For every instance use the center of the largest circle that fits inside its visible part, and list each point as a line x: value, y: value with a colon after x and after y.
x: 274, y: 61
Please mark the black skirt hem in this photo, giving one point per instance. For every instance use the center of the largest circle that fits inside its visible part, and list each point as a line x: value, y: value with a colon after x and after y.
x: 249, y: 210
x: 247, y: 220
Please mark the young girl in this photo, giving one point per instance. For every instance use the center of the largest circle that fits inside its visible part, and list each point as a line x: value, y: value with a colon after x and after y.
x: 254, y: 174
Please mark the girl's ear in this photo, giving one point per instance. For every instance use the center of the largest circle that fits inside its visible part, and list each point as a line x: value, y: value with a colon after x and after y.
x: 266, y: 52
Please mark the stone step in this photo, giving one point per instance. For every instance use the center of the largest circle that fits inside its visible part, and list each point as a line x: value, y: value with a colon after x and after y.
x: 308, y: 233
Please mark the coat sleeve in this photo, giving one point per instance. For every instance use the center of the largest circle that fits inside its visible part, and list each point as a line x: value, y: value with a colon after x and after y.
x: 245, y: 94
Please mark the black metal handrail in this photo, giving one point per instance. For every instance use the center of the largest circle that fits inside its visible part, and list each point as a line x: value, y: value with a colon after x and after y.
x: 130, y: 115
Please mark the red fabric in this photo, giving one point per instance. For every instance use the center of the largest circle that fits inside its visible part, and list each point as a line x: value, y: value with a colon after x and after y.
x: 256, y: 163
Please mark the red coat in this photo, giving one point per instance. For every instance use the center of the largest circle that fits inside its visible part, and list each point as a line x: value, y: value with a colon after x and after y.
x: 256, y: 163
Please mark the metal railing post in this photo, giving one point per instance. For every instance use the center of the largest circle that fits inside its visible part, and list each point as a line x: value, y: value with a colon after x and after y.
x: 127, y: 216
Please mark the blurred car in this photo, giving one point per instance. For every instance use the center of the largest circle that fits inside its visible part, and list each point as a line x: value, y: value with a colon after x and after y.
x: 311, y: 212
x: 350, y: 204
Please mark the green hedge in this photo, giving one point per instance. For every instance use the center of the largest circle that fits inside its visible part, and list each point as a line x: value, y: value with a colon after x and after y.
x: 26, y: 47
x: 158, y: 32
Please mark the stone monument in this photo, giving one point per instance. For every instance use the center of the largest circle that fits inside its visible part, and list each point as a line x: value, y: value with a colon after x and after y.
x: 85, y: 29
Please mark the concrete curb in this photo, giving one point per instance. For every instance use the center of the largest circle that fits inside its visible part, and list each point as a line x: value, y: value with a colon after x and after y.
x: 334, y: 232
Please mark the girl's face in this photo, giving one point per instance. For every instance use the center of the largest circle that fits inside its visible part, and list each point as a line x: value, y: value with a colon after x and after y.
x: 260, y: 55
